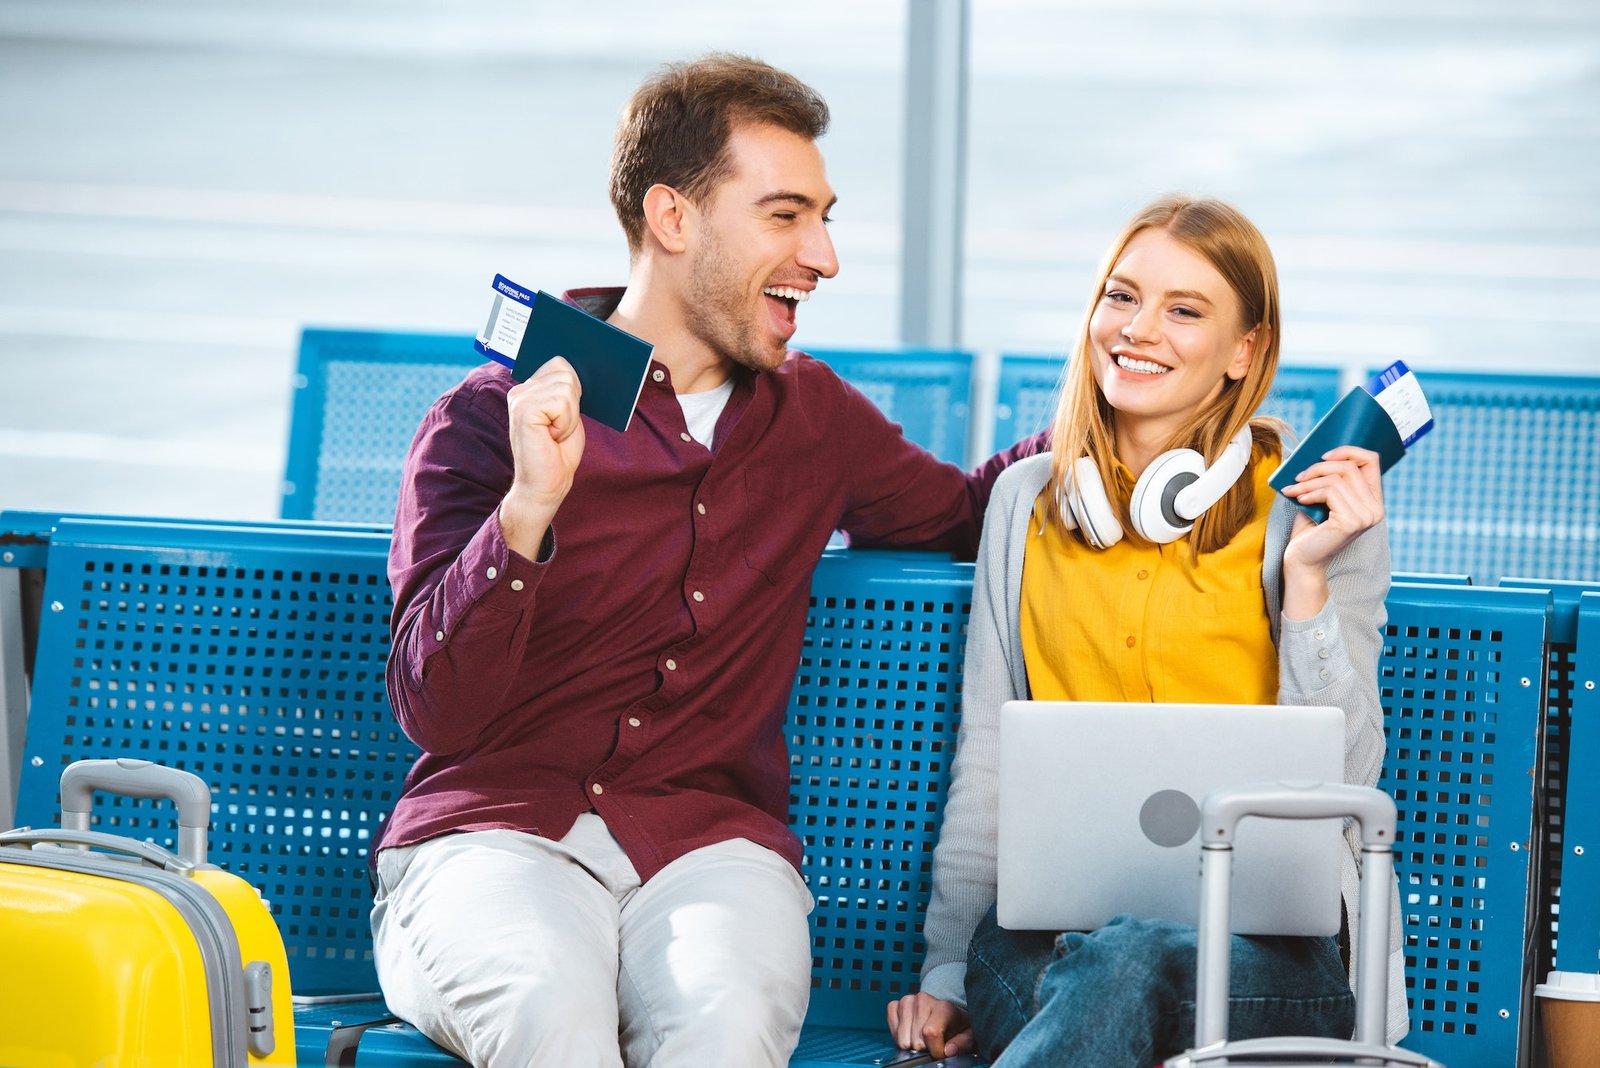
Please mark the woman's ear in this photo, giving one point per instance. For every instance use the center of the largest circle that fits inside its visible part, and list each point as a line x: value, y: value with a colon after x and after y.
x: 1240, y: 365
x: 665, y: 213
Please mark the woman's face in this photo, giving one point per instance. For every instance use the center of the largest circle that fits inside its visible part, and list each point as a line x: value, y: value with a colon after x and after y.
x: 1164, y: 335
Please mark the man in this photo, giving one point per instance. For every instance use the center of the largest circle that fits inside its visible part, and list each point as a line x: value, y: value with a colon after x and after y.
x: 595, y: 632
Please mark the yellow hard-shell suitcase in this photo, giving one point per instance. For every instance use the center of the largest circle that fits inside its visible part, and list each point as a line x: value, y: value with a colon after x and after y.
x: 121, y: 954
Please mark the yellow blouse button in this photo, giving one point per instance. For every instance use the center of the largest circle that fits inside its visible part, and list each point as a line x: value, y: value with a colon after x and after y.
x: 1131, y: 641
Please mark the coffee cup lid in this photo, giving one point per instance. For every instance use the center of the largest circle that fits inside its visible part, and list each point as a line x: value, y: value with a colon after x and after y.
x: 1570, y: 986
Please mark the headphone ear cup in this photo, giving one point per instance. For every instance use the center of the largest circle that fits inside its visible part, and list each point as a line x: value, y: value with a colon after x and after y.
x: 1151, y: 509
x: 1090, y: 507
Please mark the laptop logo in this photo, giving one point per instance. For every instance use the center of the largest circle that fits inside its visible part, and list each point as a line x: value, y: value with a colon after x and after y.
x: 1169, y: 818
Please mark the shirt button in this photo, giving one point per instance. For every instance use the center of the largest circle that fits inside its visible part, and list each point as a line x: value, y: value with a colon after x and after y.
x: 492, y: 573
x: 597, y: 788
x: 438, y: 635
x: 1322, y: 654
x: 659, y: 375
x: 686, y: 437
x: 516, y: 584
x: 697, y: 595
x: 1142, y: 574
x: 1131, y: 641
x: 672, y: 665
x: 1325, y: 674
x: 1319, y: 634
x: 700, y: 508
x: 633, y: 721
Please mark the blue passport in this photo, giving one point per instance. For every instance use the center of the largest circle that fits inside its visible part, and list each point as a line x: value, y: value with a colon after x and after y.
x: 527, y: 330
x: 1385, y: 415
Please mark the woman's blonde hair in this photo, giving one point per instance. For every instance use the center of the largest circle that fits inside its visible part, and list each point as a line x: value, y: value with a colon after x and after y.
x: 1085, y: 423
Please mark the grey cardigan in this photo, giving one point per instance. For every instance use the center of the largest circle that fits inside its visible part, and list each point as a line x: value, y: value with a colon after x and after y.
x: 1331, y: 659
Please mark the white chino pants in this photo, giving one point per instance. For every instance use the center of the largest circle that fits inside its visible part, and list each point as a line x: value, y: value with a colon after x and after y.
x: 514, y: 950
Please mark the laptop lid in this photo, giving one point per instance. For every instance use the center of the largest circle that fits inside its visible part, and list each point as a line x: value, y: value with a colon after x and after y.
x: 1099, y: 813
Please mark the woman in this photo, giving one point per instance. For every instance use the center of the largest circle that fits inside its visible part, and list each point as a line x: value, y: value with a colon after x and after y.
x: 1088, y: 594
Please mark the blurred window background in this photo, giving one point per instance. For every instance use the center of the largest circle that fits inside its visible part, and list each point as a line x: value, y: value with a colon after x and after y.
x: 184, y: 185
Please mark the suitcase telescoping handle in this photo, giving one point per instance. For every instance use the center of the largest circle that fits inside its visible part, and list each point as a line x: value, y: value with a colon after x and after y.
x: 1220, y: 814
x: 140, y: 778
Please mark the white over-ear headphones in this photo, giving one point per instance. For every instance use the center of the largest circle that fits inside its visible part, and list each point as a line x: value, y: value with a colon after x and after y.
x: 1167, y: 499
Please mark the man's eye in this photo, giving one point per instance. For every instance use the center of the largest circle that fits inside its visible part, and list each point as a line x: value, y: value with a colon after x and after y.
x: 785, y: 216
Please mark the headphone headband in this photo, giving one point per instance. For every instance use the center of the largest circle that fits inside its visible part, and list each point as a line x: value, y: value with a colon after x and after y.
x: 1171, y: 493
x: 1214, y: 483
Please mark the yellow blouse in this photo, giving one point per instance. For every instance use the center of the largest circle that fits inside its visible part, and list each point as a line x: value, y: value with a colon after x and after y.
x: 1147, y: 622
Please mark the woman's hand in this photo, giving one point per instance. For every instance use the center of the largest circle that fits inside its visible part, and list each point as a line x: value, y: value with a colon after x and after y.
x: 924, y: 1022
x: 1346, y: 480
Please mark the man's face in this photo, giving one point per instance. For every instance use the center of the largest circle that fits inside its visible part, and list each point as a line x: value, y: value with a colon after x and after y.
x: 759, y: 247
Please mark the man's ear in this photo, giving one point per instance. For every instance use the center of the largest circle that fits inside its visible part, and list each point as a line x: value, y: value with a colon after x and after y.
x: 666, y: 213
x: 1240, y: 366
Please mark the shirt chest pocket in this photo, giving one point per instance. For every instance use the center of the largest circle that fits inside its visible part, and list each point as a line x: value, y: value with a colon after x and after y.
x: 784, y: 528
x: 1214, y: 646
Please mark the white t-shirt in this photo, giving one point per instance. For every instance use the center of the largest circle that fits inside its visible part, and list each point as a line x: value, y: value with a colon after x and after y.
x: 702, y: 410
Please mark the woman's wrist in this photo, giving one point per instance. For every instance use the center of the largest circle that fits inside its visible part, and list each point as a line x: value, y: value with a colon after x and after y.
x: 1305, y: 589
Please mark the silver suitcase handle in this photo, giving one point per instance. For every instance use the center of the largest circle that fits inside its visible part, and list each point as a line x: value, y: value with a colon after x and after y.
x: 1220, y: 814
x: 140, y: 778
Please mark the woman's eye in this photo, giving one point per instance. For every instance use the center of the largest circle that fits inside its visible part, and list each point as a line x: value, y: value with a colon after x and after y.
x: 1117, y: 296
x: 1185, y: 313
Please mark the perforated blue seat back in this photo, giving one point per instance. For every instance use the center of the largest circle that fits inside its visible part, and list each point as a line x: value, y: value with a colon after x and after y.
x: 358, y: 399
x: 254, y: 658
x: 871, y: 730
x: 1506, y: 483
x: 1026, y: 398
x: 1578, y: 932
x: 926, y: 391
x: 1567, y: 927
x: 1460, y: 685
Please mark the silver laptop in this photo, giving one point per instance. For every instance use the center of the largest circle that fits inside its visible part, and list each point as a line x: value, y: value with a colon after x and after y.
x: 1099, y: 813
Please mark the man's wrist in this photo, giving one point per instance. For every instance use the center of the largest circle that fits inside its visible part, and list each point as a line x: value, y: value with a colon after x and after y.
x: 525, y: 524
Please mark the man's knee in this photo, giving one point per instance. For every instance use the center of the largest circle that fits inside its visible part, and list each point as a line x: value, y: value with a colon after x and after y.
x: 740, y: 1026
x: 524, y: 1021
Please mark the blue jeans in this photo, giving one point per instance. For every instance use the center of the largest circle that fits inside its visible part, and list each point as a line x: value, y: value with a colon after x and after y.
x: 1123, y: 996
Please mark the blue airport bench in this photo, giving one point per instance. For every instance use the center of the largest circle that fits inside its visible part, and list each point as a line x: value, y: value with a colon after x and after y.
x: 24, y: 546
x: 360, y: 395
x: 926, y: 391
x: 1578, y: 933
x: 1463, y: 715
x: 1026, y: 397
x: 1567, y: 926
x: 1507, y: 482
x: 254, y: 657
x: 358, y: 399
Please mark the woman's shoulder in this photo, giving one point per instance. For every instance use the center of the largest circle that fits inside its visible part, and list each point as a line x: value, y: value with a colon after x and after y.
x: 1023, y: 479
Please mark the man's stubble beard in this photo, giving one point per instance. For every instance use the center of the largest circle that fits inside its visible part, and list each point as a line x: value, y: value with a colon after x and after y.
x: 716, y: 314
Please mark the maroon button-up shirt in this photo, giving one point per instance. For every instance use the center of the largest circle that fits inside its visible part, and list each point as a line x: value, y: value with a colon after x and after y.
x: 642, y: 670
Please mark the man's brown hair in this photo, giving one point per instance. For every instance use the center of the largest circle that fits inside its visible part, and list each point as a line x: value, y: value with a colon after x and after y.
x: 675, y: 129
